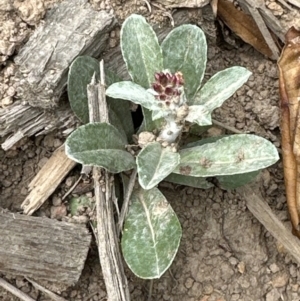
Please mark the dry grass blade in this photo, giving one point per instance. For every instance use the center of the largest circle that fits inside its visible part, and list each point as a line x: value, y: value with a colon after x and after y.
x: 244, y: 26
x: 289, y: 72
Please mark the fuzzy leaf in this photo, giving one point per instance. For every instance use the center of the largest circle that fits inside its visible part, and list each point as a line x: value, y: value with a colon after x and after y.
x: 199, y: 115
x: 154, y: 163
x: 80, y: 75
x: 141, y: 51
x: 185, y: 50
x: 133, y: 92
x: 99, y: 144
x: 230, y: 155
x: 151, y: 234
x: 220, y: 87
x: 122, y: 110
x: 197, y: 182
x: 235, y: 181
x: 117, y: 123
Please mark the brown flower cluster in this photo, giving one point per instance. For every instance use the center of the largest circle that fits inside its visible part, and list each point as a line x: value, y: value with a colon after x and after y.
x: 168, y: 86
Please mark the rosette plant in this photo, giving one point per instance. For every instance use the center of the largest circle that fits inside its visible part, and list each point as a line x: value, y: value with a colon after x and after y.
x: 166, y: 82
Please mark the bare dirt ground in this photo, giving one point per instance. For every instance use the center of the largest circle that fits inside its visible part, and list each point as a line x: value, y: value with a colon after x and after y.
x: 225, y: 253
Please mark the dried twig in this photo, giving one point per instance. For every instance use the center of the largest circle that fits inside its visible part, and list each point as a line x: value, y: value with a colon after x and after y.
x: 50, y: 294
x: 14, y: 290
x: 108, y: 245
x: 260, y: 209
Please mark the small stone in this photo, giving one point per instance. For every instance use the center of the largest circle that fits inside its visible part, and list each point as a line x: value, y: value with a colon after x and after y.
x: 20, y: 282
x: 56, y: 201
x: 6, y: 183
x: 189, y: 282
x: 233, y: 261
x: 57, y: 212
x: 24, y: 191
x: 57, y: 143
x: 70, y: 181
x: 42, y: 162
x: 241, y: 267
x: 6, y: 101
x: 274, y: 268
x: 208, y: 289
x: 273, y: 295
x: 280, y: 280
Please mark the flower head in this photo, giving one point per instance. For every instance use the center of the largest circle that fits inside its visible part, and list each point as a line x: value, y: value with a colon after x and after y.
x: 168, y: 87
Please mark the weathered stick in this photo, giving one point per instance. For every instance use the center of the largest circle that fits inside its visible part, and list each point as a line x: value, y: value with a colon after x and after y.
x: 42, y: 248
x: 44, y: 61
x: 51, y: 295
x: 15, y: 291
x: 108, y: 245
x: 47, y: 180
x: 260, y: 209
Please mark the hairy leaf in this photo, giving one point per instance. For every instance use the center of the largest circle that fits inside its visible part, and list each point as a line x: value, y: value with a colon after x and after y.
x: 197, y: 182
x: 221, y: 86
x: 151, y: 234
x: 141, y: 51
x: 133, y: 92
x: 200, y: 115
x: 185, y: 50
x: 122, y: 110
x: 235, y: 181
x: 230, y: 155
x: 154, y: 163
x: 99, y: 144
x: 80, y: 75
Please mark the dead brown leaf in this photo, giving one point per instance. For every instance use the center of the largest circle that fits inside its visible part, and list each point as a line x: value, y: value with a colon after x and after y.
x: 289, y: 85
x: 243, y: 26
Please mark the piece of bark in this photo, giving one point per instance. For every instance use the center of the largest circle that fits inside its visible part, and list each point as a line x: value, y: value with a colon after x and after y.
x: 25, y: 121
x: 106, y: 235
x: 42, y: 248
x: 47, y: 180
x: 70, y: 29
x: 261, y: 210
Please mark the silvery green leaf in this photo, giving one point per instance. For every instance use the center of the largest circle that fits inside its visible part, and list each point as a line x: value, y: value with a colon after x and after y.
x: 117, y: 123
x: 151, y: 234
x: 220, y: 87
x: 133, y: 92
x: 200, y: 115
x: 197, y: 182
x: 159, y: 114
x: 185, y: 49
x: 154, y: 163
x: 80, y: 75
x: 141, y: 51
x: 235, y: 181
x: 230, y: 155
x: 122, y: 112
x: 99, y: 144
